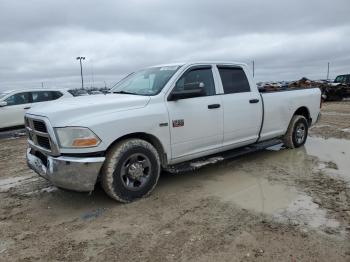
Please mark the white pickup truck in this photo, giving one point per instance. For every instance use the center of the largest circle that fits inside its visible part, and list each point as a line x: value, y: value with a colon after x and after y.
x: 169, y: 117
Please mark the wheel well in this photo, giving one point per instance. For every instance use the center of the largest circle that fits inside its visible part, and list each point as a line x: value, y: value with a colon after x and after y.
x: 154, y: 141
x: 303, y: 111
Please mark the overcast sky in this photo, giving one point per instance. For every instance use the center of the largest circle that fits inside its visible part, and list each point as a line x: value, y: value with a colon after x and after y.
x: 40, y: 39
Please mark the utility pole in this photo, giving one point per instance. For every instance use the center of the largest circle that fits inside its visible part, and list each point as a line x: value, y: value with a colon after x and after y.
x: 328, y: 72
x: 92, y: 74
x: 253, y: 68
x: 81, y: 70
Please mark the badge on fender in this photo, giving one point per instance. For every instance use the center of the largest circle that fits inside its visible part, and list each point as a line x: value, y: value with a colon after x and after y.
x: 178, y: 123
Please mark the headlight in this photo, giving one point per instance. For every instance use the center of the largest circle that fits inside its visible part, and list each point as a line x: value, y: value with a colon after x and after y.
x: 76, y: 137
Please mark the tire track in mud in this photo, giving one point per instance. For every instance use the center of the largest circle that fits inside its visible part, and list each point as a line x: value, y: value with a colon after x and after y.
x: 24, y: 185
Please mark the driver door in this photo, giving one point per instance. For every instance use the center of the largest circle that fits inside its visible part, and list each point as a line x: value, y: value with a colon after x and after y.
x: 196, y: 124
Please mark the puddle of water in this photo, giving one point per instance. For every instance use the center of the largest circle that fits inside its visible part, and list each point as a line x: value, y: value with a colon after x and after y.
x: 304, y: 211
x: 93, y: 214
x: 5, y: 244
x: 331, y: 149
x: 251, y: 192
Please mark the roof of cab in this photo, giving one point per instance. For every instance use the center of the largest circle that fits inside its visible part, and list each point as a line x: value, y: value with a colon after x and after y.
x: 201, y: 62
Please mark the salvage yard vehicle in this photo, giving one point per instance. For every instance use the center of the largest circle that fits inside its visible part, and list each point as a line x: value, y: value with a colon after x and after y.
x: 342, y: 79
x: 337, y: 90
x: 14, y: 103
x: 173, y: 117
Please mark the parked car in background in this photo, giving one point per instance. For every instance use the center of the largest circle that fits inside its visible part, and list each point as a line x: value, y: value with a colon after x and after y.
x: 14, y: 103
x: 95, y: 92
x: 78, y: 92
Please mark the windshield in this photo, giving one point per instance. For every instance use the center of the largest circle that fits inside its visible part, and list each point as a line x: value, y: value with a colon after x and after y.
x: 145, y: 82
x: 341, y: 79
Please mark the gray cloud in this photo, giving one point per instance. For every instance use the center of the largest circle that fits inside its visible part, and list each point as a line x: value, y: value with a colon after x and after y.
x: 39, y: 40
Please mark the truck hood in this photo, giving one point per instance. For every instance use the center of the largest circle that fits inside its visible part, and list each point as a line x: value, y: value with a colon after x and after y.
x: 64, y: 112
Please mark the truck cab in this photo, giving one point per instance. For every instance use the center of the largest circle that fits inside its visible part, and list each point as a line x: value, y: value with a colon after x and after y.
x: 342, y: 79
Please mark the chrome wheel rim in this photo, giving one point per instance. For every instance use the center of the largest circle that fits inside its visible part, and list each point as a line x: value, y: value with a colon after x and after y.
x: 300, y: 132
x: 136, y: 171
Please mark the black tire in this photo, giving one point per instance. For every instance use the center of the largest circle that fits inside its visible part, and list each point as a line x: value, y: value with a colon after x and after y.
x: 297, y: 132
x: 131, y: 170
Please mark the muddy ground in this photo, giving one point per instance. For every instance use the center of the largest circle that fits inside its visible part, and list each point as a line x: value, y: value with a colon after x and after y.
x: 274, y: 205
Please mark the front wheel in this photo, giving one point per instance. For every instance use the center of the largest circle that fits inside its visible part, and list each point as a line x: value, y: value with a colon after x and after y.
x: 297, y: 132
x: 131, y: 170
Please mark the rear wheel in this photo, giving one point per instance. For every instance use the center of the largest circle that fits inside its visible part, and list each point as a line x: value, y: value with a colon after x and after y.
x: 297, y: 132
x: 131, y: 170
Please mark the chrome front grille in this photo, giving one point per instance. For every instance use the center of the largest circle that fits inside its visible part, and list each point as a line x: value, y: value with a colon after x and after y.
x: 40, y: 135
x: 43, y: 142
x: 39, y: 126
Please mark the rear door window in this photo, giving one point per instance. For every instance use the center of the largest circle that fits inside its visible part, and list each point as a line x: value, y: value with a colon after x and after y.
x: 56, y: 94
x: 234, y: 80
x: 42, y: 96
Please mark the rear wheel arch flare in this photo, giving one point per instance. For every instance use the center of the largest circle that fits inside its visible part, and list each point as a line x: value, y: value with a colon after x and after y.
x: 303, y: 111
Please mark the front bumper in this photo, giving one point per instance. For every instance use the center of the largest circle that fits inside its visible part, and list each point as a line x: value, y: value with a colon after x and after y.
x: 74, y: 173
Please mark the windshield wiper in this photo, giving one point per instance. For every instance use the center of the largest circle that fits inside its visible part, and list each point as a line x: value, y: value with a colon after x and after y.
x: 125, y: 92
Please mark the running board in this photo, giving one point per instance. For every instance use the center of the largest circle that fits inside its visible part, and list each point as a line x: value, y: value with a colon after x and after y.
x: 212, y: 159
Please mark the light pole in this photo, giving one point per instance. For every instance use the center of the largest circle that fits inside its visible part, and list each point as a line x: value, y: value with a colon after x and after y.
x: 81, y: 70
x: 253, y: 68
x: 327, y: 71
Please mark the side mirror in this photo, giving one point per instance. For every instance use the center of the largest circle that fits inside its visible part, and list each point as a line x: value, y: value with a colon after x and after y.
x: 191, y: 90
x: 3, y: 103
x: 176, y: 95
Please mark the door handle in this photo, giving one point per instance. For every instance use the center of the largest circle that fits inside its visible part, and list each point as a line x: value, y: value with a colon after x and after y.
x: 253, y: 101
x: 213, y: 106
x: 28, y: 107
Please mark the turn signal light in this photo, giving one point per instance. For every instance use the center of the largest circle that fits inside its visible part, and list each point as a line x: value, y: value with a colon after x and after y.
x: 85, y: 142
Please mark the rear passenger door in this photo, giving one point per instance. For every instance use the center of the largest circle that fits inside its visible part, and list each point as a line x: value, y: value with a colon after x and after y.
x: 242, y: 107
